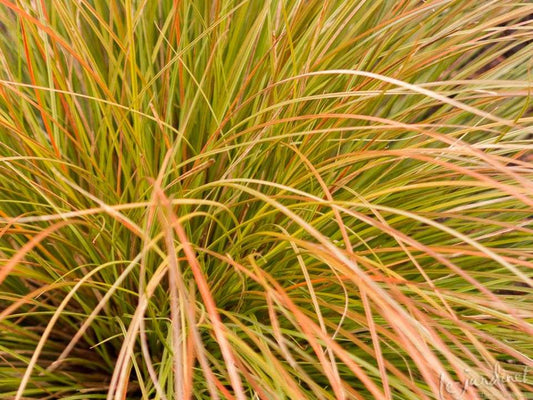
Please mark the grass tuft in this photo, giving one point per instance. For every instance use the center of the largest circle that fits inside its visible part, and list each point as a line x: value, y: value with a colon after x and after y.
x: 276, y: 199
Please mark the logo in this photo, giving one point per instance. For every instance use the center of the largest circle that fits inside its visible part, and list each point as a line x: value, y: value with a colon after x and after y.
x: 457, y: 390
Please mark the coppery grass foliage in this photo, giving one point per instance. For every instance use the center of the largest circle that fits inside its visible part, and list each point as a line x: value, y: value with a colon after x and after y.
x: 277, y: 199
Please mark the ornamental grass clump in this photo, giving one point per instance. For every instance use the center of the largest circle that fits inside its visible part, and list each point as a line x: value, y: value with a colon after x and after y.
x: 278, y: 199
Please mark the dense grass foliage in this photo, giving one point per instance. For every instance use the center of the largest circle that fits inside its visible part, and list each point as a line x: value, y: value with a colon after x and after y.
x: 266, y: 199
